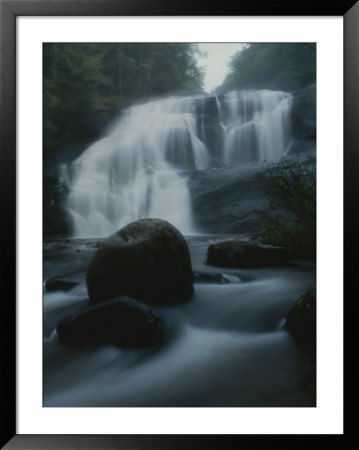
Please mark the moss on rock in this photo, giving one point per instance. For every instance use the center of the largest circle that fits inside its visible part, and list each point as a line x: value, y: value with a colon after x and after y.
x: 301, y: 323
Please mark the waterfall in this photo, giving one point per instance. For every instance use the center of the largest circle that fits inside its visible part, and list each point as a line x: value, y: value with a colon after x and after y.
x: 140, y: 169
x: 256, y: 125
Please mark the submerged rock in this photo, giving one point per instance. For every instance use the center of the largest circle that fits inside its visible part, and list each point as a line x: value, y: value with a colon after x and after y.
x: 245, y: 254
x: 59, y: 284
x: 121, y: 321
x: 147, y: 259
x: 301, y: 323
x: 209, y: 277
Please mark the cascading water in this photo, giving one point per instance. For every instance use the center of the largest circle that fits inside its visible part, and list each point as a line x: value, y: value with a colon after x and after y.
x: 141, y: 168
x: 256, y: 125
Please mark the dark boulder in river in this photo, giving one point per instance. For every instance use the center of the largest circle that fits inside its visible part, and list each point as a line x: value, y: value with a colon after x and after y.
x: 301, y: 323
x: 245, y: 254
x: 147, y: 259
x: 121, y: 321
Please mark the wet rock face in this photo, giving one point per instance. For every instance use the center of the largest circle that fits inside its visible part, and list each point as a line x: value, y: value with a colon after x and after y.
x: 147, y: 259
x: 301, y: 323
x: 55, y: 219
x: 245, y: 254
x: 230, y: 199
x: 210, y: 132
x: 233, y: 200
x: 303, y: 117
x: 207, y: 105
x: 121, y: 321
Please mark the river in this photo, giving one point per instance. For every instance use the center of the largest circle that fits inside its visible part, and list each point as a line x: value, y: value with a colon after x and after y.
x: 224, y: 347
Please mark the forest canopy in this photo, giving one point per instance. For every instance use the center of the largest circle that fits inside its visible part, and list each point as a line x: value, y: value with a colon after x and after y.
x: 287, y: 67
x: 85, y: 86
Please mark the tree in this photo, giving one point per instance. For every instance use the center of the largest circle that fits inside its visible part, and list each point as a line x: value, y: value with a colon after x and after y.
x: 287, y: 67
x: 85, y: 86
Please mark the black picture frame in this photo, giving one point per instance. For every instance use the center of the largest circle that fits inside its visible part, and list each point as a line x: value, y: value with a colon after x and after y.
x: 9, y: 10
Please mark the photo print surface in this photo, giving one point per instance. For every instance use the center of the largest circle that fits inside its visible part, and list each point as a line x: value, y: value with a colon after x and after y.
x: 179, y: 224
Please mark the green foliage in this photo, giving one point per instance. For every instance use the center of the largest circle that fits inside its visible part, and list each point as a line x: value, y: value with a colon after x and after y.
x: 86, y: 85
x: 291, y: 189
x: 300, y: 237
x: 287, y: 67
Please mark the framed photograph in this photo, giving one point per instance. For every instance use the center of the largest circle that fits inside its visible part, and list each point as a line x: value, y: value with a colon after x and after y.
x: 169, y: 198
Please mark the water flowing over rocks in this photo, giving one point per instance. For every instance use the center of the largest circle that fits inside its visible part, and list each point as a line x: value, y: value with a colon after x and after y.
x: 245, y: 254
x: 121, y: 321
x: 212, y: 277
x: 59, y: 284
x: 208, y: 349
x: 142, y: 167
x: 157, y: 158
x: 199, y: 165
x: 148, y: 260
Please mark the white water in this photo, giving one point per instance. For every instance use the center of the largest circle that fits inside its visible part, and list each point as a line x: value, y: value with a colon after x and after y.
x: 141, y: 168
x: 256, y: 125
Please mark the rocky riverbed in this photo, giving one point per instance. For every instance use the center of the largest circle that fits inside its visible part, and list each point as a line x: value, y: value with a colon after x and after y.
x: 225, y: 346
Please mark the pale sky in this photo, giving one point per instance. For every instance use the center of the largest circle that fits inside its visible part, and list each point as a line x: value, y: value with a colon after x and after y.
x: 218, y: 56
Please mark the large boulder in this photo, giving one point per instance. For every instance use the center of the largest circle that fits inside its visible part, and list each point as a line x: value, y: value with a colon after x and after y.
x: 147, y: 259
x: 121, y: 321
x: 245, y: 254
x: 301, y: 323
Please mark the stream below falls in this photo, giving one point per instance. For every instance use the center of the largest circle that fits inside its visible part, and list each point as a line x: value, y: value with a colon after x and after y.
x: 224, y: 347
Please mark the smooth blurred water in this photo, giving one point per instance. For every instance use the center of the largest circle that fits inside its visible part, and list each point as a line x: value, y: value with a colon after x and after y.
x: 224, y: 347
x: 140, y: 169
x: 256, y: 124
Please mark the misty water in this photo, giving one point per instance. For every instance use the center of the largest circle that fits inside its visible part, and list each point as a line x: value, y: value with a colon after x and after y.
x: 225, y: 346
x: 140, y: 169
